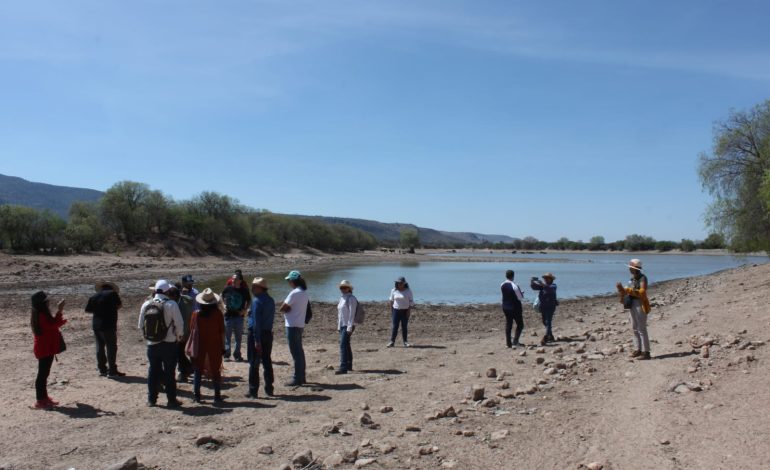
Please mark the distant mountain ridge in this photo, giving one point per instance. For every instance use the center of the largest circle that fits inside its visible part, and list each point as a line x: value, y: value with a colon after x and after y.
x: 58, y: 199
x: 41, y: 196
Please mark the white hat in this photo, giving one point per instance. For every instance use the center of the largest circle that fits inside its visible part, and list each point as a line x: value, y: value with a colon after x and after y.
x: 347, y: 284
x: 635, y: 264
x: 162, y: 285
x: 207, y: 297
x: 259, y: 282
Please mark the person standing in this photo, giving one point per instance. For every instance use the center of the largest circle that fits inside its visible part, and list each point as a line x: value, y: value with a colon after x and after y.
x: 294, y: 309
x: 237, y: 300
x: 47, y: 344
x: 188, y: 285
x: 104, y: 306
x: 260, y: 338
x: 207, y: 341
x: 512, y: 297
x: 639, y: 307
x: 346, y: 313
x: 401, y: 303
x: 548, y: 302
x: 162, y: 350
x: 185, y: 303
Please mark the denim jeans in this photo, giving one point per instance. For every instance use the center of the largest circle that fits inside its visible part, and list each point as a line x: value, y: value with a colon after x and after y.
x: 41, y: 382
x: 346, y: 352
x: 197, y: 385
x: 162, y: 359
x: 639, y: 326
x: 547, y: 315
x: 233, y: 325
x: 266, y: 341
x: 294, y: 338
x: 399, y: 317
x: 511, y: 316
x: 106, y: 340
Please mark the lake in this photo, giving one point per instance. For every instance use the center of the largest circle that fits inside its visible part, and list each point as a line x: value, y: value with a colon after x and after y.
x: 473, y: 282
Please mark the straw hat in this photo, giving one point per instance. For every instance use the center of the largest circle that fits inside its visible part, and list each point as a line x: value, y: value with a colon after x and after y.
x: 635, y: 264
x: 207, y: 297
x: 259, y: 282
x: 550, y: 276
x: 346, y: 283
x: 101, y: 284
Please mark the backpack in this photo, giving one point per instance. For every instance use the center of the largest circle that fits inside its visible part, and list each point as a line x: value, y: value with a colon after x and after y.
x: 308, y: 313
x: 360, y: 315
x: 154, y: 326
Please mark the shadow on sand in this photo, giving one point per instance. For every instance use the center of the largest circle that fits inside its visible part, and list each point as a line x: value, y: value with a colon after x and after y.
x: 82, y: 411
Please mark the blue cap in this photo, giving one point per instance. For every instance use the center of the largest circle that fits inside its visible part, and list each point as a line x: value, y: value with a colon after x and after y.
x: 293, y: 276
x: 188, y: 278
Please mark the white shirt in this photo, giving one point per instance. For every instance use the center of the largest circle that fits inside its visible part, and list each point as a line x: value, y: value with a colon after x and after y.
x: 402, y: 300
x: 346, y: 311
x: 297, y: 300
x: 171, y: 315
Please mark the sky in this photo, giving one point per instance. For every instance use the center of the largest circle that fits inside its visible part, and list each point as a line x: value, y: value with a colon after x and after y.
x: 546, y: 119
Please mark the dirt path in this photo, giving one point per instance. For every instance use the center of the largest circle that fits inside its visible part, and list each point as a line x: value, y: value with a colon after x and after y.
x: 585, y: 402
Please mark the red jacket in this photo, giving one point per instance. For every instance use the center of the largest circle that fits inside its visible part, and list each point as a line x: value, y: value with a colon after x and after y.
x: 47, y: 343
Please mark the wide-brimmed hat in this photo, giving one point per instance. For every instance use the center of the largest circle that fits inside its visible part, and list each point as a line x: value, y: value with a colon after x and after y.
x: 259, y: 282
x: 346, y: 283
x: 101, y: 285
x: 207, y: 297
x: 550, y: 276
x: 635, y: 264
x: 293, y: 276
x: 162, y: 285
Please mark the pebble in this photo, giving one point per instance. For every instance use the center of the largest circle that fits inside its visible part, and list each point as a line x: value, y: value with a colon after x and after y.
x: 333, y: 460
x: 387, y: 448
x: 413, y: 428
x: 476, y: 393
x: 489, y: 403
x: 468, y: 433
x: 302, y: 459
x: 364, y: 407
x: 595, y: 466
x: 350, y: 456
x: 449, y: 464
x: 704, y: 352
x: 491, y: 373
x: 265, y: 450
x: 386, y: 409
x: 129, y: 464
x: 365, y: 419
x: 364, y: 462
x: 540, y: 360
x: 540, y: 350
x: 550, y: 371
x: 665, y: 442
x: 497, y: 435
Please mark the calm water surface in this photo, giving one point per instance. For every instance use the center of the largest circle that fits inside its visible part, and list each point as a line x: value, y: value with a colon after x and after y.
x: 446, y: 282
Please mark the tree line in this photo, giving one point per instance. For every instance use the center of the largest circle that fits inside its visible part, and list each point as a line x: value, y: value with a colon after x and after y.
x: 131, y: 212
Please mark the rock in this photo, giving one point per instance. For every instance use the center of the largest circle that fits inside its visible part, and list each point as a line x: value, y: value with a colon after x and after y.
x: 364, y: 407
x: 497, y: 435
x: 489, y: 403
x: 665, y: 442
x: 550, y: 371
x: 265, y: 450
x: 387, y: 448
x: 505, y: 386
x: 366, y: 443
x: 330, y: 429
x: 595, y: 466
x: 477, y: 393
x: 491, y: 373
x: 526, y: 390
x: 450, y: 412
x: 365, y: 419
x: 540, y: 350
x: 425, y: 450
x: 350, y: 456
x: 413, y: 428
x: 203, y: 440
x: 386, y: 409
x: 468, y: 433
x: 333, y: 460
x: 523, y: 354
x: 129, y: 464
x: 540, y: 360
x: 449, y: 464
x: 302, y: 459
x: 704, y: 352
x: 364, y: 462
x: 508, y: 394
x: 285, y: 466
x: 558, y: 350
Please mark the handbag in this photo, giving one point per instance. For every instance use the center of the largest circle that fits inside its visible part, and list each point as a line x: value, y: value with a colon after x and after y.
x: 62, y: 344
x: 536, y: 304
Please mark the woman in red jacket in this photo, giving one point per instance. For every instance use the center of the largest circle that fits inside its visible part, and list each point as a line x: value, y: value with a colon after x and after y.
x: 48, y: 344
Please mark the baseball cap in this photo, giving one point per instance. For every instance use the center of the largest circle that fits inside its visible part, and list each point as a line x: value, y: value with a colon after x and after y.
x: 293, y: 276
x: 162, y: 285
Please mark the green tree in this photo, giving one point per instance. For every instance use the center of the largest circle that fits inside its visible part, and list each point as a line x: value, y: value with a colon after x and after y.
x: 736, y: 176
x: 714, y: 241
x: 637, y: 242
x: 85, y: 230
x: 124, y: 211
x: 687, y: 245
x: 410, y: 239
x: 596, y: 243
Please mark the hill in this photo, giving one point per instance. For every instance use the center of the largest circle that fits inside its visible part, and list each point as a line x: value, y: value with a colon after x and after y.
x: 41, y: 196
x: 391, y: 232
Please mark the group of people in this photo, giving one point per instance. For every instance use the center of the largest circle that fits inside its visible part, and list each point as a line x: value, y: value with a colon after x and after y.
x: 195, y: 332
x: 633, y: 297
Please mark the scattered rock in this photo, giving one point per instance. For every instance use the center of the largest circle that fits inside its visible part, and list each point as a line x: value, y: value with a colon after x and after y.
x: 350, y: 456
x: 491, y: 373
x: 550, y: 371
x: 497, y: 435
x: 302, y: 459
x: 665, y: 442
x: 364, y: 407
x: 386, y: 409
x: 489, y: 403
x: 364, y: 462
x: 426, y: 450
x: 333, y: 460
x: 540, y: 360
x: 540, y: 350
x: 330, y: 429
x: 468, y: 433
x: 129, y: 464
x: 265, y: 450
x: 365, y: 419
x: 387, y: 448
x: 704, y: 352
x: 476, y: 393
x: 449, y: 464
x: 595, y: 466
x: 413, y: 428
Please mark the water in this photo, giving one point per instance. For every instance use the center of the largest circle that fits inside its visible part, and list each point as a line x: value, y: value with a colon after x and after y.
x: 473, y: 282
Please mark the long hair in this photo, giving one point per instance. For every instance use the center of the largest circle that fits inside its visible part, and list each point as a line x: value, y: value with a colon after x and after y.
x: 406, y: 285
x: 39, y: 305
x: 207, y: 309
x: 300, y: 282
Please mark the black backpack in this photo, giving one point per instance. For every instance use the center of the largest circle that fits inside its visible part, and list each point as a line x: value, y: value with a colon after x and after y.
x: 154, y: 326
x: 308, y: 313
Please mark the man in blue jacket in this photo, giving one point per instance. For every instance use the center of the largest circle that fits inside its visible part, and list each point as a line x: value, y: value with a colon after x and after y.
x: 260, y: 340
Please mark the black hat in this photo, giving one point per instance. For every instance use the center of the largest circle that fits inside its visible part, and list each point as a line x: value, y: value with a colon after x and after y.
x: 188, y: 279
x: 401, y: 280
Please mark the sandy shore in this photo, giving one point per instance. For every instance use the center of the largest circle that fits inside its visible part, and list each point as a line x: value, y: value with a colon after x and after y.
x: 576, y: 402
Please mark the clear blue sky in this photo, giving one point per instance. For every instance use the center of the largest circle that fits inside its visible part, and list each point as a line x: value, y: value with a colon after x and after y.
x: 522, y: 118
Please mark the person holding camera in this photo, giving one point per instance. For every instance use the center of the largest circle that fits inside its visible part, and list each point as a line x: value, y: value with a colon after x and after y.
x: 48, y: 343
x: 635, y: 297
x: 547, y: 303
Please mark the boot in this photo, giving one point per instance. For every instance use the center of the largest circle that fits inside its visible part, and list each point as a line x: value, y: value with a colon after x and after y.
x: 636, y: 353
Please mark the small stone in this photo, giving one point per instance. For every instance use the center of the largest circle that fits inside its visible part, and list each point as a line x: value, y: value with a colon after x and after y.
x: 477, y: 393
x: 386, y: 409
x: 425, y: 450
x: 366, y: 443
x: 508, y: 394
x: 285, y: 466
x: 203, y: 440
x: 364, y: 407
x: 365, y: 419
x: 665, y: 442
x: 450, y: 412
x: 350, y: 456
x: 387, y: 448
x: 540, y: 350
x: 505, y: 386
x: 704, y: 352
x: 330, y: 429
x: 333, y: 460
x: 497, y: 435
x: 489, y: 403
x: 364, y: 462
x: 540, y: 360
x: 468, y: 433
x: 550, y: 371
x: 558, y: 350
x: 302, y: 459
x: 129, y: 464
x: 449, y: 464
x: 265, y: 450
x: 491, y: 373
x: 523, y: 354
x: 413, y: 428
x: 595, y: 466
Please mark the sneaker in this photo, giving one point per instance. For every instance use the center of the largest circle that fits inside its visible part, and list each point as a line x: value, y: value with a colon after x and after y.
x: 52, y: 401
x: 635, y: 354
x: 516, y: 344
x: 269, y: 392
x: 151, y: 404
x: 103, y: 373
x: 251, y: 395
x: 115, y: 373
x: 390, y: 344
x: 407, y: 345
x: 174, y: 404
x: 43, y: 405
x: 340, y: 371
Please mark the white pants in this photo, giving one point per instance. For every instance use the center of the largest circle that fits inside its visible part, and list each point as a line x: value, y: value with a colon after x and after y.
x: 639, y: 326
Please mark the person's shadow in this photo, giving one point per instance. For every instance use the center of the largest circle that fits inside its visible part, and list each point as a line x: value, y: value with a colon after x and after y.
x: 675, y: 355
x: 82, y: 411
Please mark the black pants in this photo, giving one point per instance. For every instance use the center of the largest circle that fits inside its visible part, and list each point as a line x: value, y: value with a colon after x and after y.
x: 185, y: 366
x: 106, y: 340
x: 41, y: 383
x: 162, y: 362
x: 399, y: 317
x: 511, y: 316
x: 266, y: 341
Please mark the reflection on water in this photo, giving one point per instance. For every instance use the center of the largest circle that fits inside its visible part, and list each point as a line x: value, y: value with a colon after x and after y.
x: 580, y: 274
